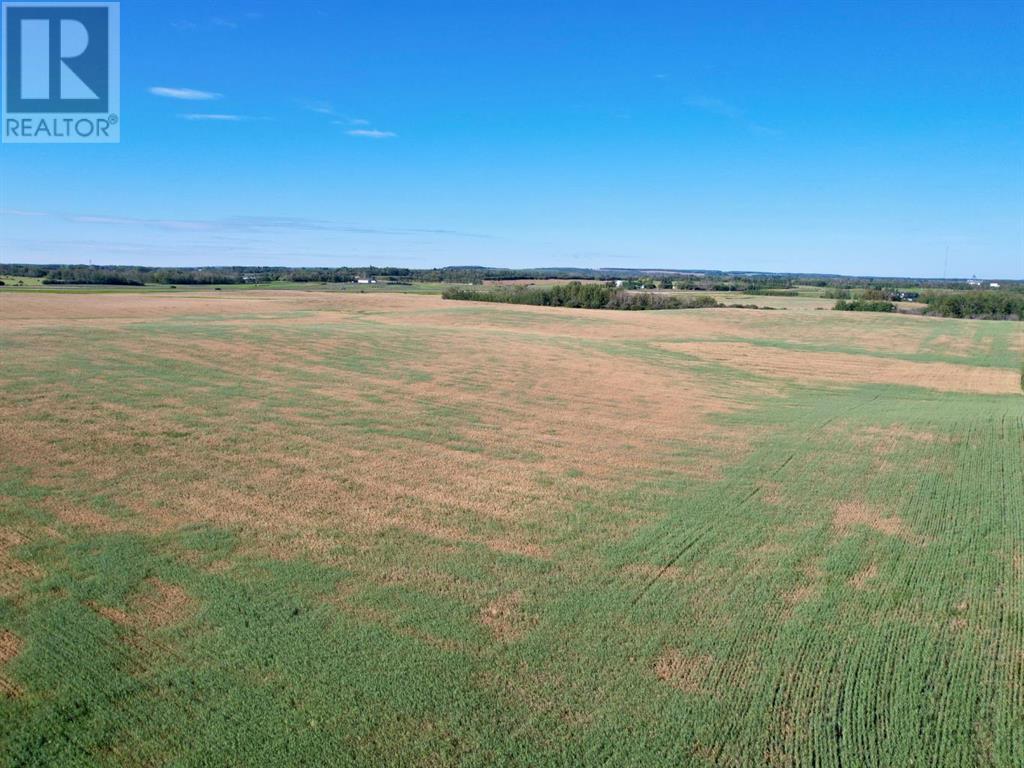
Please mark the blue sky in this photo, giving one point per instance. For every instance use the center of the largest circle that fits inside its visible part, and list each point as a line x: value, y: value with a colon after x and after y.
x: 856, y: 138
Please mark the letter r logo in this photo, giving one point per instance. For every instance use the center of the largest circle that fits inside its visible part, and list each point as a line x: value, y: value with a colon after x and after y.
x: 36, y: 62
x: 56, y: 58
x: 61, y: 72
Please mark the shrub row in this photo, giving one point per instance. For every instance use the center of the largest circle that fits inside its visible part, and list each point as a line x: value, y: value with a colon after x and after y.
x: 586, y: 296
x: 589, y: 296
x: 629, y: 301
x: 986, y: 305
x: 859, y: 305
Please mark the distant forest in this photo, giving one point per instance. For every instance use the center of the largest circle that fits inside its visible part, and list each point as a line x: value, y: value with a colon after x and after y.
x: 748, y: 282
x: 591, y: 295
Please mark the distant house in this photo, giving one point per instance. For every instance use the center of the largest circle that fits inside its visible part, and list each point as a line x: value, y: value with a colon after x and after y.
x: 974, y: 282
x: 366, y: 280
x: 248, y: 277
x: 618, y: 283
x: 993, y: 285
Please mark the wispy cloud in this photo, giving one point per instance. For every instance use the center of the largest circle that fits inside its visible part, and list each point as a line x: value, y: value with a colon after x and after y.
x: 326, y: 108
x: 715, y: 107
x: 19, y: 212
x: 731, y: 112
x: 359, y: 126
x: 100, y: 220
x: 187, y: 94
x: 371, y: 133
x: 175, y: 224
x: 251, y: 224
x: 320, y: 107
x: 224, y: 118
x: 216, y: 22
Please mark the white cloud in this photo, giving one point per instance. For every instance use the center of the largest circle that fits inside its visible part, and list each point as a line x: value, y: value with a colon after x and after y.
x: 214, y: 117
x: 730, y: 112
x: 371, y: 133
x: 320, y: 107
x: 715, y: 107
x: 358, y: 121
x: 230, y: 224
x: 19, y: 212
x: 188, y: 94
x: 101, y: 220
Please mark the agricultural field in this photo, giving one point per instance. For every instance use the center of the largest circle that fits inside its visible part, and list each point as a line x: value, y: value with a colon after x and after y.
x: 20, y: 281
x: 36, y: 285
x: 311, y: 527
x: 806, y: 300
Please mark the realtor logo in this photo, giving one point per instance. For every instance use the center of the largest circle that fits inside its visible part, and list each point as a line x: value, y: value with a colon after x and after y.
x: 61, y: 72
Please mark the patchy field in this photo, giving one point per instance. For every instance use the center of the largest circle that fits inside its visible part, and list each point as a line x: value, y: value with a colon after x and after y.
x: 289, y: 527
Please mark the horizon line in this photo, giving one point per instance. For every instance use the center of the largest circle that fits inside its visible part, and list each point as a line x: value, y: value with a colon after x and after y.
x: 693, y: 271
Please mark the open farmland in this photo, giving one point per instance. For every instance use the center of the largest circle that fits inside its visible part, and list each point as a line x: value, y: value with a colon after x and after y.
x: 269, y: 528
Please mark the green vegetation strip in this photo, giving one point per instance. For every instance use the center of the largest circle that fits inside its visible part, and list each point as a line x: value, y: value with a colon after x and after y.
x: 581, y: 296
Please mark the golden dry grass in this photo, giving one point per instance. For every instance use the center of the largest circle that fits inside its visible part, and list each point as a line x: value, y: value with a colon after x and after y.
x: 588, y: 418
x: 159, y: 605
x: 504, y: 617
x: 809, y: 585
x: 838, y: 368
x: 687, y: 673
x: 544, y: 401
x: 852, y: 514
x: 10, y: 647
x: 863, y: 578
x: 13, y: 570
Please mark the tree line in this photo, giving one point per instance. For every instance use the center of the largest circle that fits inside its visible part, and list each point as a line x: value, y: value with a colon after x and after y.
x: 838, y: 287
x: 592, y: 295
x: 864, y: 305
x: 985, y: 305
